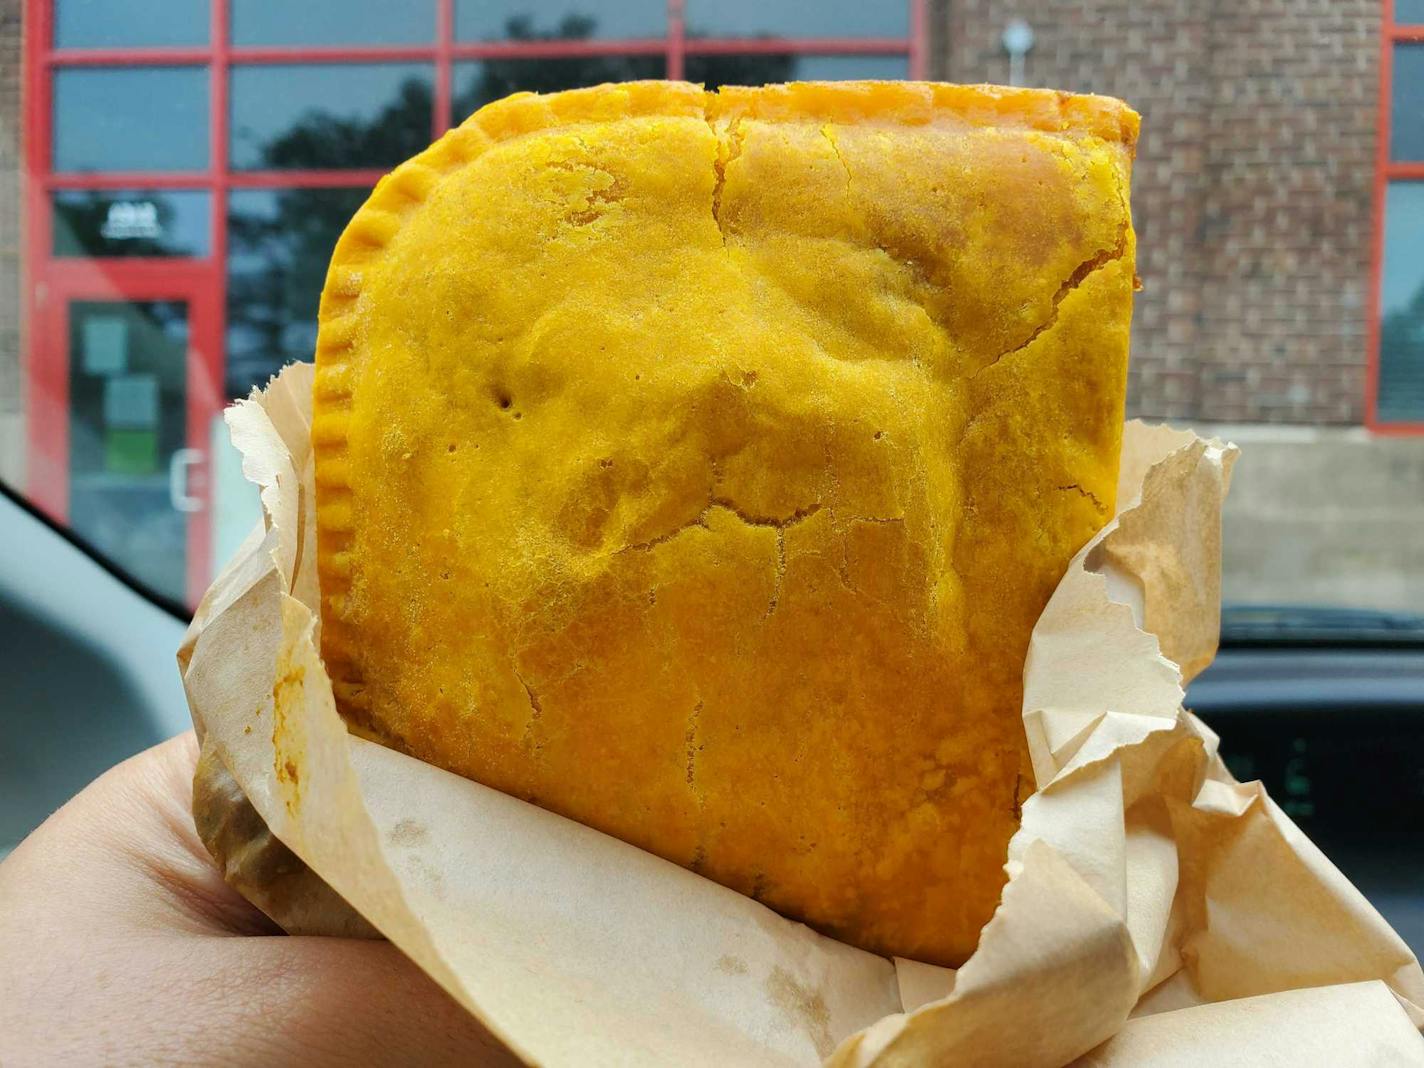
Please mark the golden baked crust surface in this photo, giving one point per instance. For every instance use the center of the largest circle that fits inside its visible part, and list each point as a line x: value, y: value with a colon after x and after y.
x: 697, y: 464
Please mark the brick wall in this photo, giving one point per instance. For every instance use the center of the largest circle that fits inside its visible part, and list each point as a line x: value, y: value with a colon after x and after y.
x: 1290, y: 173
x: 12, y: 438
x: 1252, y: 192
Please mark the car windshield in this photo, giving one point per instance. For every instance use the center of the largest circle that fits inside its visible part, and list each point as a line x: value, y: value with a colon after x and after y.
x: 173, y: 177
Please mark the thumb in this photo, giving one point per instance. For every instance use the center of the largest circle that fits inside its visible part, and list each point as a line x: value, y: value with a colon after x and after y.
x: 336, y: 1001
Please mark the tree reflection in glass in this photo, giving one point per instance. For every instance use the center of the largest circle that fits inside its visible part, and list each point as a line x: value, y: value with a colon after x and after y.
x: 279, y: 241
x: 481, y: 82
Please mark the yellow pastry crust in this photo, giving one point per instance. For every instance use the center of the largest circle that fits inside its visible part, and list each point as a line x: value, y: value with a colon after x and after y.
x: 696, y: 465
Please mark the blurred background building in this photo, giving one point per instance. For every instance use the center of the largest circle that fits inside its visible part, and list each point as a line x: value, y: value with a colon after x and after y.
x: 173, y: 174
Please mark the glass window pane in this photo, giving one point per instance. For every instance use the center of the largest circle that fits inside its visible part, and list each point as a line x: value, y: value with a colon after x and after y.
x: 476, y: 84
x: 1406, y: 116
x: 796, y: 18
x: 332, y: 22
x: 124, y: 23
x: 131, y: 119
x: 1409, y: 12
x: 113, y: 222
x: 279, y: 244
x: 1401, y: 356
x: 543, y: 20
x: 759, y: 69
x: 329, y: 115
x: 851, y: 68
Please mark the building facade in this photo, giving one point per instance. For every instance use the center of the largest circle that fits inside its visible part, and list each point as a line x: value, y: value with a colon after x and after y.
x: 170, y: 189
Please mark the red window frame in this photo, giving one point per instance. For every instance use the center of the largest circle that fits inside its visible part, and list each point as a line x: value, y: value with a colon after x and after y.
x: 44, y: 367
x: 1385, y: 172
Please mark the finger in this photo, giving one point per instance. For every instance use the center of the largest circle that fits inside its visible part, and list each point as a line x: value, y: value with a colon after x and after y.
x: 157, y: 787
x: 334, y: 1001
x: 117, y: 913
x: 206, y: 999
x: 124, y: 853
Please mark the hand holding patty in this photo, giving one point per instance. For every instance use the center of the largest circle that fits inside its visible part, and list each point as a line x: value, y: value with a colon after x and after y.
x: 120, y: 944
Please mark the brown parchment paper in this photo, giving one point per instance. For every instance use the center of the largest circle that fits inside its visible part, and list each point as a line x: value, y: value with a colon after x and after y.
x: 1157, y: 911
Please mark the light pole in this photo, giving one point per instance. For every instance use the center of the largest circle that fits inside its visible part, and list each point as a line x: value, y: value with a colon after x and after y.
x: 1017, y: 39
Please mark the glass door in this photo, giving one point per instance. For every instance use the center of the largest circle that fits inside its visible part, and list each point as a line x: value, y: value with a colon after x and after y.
x: 129, y: 493
x: 132, y: 364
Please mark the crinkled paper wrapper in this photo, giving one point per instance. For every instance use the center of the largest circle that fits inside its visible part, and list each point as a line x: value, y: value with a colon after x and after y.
x: 1157, y: 911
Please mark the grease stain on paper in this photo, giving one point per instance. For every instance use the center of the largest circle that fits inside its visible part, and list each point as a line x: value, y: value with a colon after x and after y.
x: 287, y: 691
x: 422, y: 871
x: 408, y: 833
x: 731, y: 965
x: 803, y: 1004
